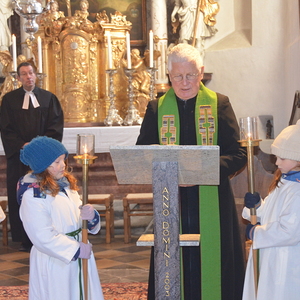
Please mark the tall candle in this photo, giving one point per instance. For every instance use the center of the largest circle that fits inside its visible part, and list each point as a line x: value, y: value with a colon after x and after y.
x: 14, y: 49
x: 109, y: 50
x: 128, y: 50
x: 151, y: 48
x: 39, y: 42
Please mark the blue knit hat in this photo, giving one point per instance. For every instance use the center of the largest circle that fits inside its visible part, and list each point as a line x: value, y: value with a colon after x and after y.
x: 41, y: 152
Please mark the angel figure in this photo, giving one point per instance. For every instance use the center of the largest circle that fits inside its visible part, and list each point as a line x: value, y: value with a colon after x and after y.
x: 7, y: 63
x: 53, y: 20
x: 140, y: 80
x: 82, y: 16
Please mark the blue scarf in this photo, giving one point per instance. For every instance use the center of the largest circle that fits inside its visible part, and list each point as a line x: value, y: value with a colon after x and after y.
x: 292, y: 176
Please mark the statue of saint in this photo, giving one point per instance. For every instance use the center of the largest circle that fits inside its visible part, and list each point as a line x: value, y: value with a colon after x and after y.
x: 5, y: 35
x: 196, y: 22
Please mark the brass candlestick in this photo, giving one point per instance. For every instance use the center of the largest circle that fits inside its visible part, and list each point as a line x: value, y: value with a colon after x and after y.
x: 113, y: 116
x: 249, y: 139
x: 85, y: 157
x: 132, y: 116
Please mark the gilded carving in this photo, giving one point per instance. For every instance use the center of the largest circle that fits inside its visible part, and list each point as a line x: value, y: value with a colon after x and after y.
x: 75, y: 62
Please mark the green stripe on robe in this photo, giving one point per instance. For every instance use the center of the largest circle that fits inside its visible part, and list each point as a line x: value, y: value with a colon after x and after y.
x: 206, y: 120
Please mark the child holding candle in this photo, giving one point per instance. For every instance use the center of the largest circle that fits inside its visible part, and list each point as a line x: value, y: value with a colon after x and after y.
x: 52, y: 214
x: 277, y: 235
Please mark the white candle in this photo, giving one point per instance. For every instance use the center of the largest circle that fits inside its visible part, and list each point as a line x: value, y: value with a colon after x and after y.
x: 151, y: 48
x: 128, y: 50
x: 14, y: 49
x: 109, y: 50
x: 39, y: 41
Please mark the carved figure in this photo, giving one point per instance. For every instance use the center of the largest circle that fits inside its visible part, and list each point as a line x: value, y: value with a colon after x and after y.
x: 186, y: 11
x: 141, y: 77
x: 83, y: 12
x: 53, y: 20
x: 82, y: 16
x: 7, y: 62
x: 102, y: 17
x: 5, y: 35
x: 269, y: 129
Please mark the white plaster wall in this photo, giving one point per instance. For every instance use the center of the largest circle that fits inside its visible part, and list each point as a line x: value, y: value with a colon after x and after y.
x: 257, y: 64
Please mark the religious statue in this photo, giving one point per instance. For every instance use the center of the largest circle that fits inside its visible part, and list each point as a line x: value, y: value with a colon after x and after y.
x: 53, y: 20
x: 269, y: 129
x: 5, y: 35
x: 82, y: 16
x: 7, y: 62
x: 140, y: 79
x: 196, y: 19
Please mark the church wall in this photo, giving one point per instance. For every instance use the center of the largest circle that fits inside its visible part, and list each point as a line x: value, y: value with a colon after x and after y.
x: 261, y: 74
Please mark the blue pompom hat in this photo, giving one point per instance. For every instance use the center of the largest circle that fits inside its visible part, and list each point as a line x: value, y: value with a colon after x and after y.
x: 41, y: 152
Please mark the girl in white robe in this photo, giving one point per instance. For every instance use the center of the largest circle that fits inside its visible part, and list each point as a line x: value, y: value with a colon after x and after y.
x: 52, y: 214
x: 277, y: 235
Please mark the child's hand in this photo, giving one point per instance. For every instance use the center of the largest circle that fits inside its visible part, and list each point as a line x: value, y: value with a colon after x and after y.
x: 252, y: 200
x: 85, y: 250
x: 87, y: 212
x: 250, y: 230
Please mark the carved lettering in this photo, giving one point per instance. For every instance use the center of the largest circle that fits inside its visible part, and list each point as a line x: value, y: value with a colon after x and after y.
x: 166, y: 238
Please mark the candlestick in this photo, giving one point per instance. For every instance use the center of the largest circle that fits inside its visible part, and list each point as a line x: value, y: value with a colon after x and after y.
x: 151, y: 48
x: 132, y: 116
x: 112, y: 114
x: 39, y: 42
x: 14, y: 49
x: 249, y: 139
x: 109, y: 50
x: 85, y: 157
x: 128, y: 50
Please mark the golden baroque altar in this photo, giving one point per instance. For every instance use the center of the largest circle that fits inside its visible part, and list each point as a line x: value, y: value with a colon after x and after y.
x: 75, y: 60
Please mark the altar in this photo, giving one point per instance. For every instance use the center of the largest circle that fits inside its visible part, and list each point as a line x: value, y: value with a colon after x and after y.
x: 104, y: 137
x: 102, y: 177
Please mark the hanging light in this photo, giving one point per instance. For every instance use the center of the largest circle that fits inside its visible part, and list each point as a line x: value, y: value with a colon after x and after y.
x: 29, y: 10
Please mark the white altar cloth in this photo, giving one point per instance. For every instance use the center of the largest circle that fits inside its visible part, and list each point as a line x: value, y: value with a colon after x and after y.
x: 104, y: 137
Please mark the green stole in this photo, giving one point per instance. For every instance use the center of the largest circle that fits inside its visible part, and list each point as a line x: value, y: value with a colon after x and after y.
x: 206, y: 120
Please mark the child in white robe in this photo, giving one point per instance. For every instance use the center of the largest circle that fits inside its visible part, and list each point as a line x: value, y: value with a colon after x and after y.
x: 52, y: 214
x: 277, y: 233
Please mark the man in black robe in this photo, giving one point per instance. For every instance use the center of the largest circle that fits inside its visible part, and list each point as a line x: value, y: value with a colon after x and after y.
x: 186, y: 72
x: 25, y: 113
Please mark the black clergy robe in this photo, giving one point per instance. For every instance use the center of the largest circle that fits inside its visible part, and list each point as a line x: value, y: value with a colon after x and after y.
x: 19, y: 126
x: 232, y: 159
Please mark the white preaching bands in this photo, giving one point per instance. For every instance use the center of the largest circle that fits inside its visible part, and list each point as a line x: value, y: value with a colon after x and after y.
x: 34, y: 101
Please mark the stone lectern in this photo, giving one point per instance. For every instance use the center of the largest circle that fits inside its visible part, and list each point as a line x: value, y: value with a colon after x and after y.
x: 167, y: 167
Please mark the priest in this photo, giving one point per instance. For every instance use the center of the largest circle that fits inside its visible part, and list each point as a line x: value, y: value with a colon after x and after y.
x: 191, y: 114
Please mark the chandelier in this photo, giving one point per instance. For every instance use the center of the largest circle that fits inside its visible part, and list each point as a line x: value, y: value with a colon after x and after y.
x: 29, y: 10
